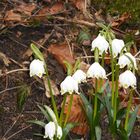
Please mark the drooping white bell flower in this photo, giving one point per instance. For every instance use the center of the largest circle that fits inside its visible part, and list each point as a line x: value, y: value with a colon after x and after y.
x: 50, y: 130
x: 37, y: 68
x: 127, y: 79
x: 79, y: 76
x: 59, y: 132
x: 100, y: 43
x: 69, y: 85
x: 117, y: 45
x: 124, y: 60
x: 96, y: 71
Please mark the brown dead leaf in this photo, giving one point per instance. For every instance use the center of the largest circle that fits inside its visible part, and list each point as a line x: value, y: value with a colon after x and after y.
x: 4, y: 58
x: 54, y: 88
x: 61, y: 53
x: 56, y: 8
x: 26, y: 8
x: 11, y: 15
x: 77, y: 115
x: 124, y: 17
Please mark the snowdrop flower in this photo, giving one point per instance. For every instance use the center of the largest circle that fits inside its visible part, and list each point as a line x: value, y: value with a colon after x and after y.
x: 124, y: 60
x: 117, y: 45
x: 79, y: 76
x: 127, y: 79
x: 100, y: 43
x: 37, y: 68
x: 96, y: 71
x: 50, y: 130
x: 59, y: 132
x: 69, y: 85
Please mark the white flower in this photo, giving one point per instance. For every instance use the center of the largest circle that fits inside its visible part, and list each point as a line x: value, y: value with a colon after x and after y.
x: 69, y: 85
x: 50, y: 130
x: 100, y: 43
x: 117, y: 45
x: 96, y: 71
x: 124, y: 60
x: 79, y: 76
x: 127, y: 79
x: 59, y: 132
x: 37, y: 68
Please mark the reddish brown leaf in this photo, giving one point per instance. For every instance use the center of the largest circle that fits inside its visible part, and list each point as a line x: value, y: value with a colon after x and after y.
x: 61, y: 53
x: 77, y: 115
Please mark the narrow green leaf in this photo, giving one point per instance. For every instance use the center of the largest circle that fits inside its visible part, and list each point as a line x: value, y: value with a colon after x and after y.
x: 98, y: 132
x: 51, y: 113
x: 45, y: 113
x: 88, y: 109
x: 37, y: 122
x: 67, y: 129
x: 132, y: 120
x: 22, y: 96
x: 37, y: 52
x: 69, y: 67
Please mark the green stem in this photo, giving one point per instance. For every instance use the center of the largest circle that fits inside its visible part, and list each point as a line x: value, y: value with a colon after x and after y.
x: 69, y: 109
x: 51, y: 93
x: 116, y: 92
x: 128, y: 110
x: 62, y: 110
x: 95, y: 100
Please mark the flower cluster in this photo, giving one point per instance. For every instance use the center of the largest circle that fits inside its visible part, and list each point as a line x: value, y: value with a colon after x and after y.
x: 51, y: 129
x: 126, y: 79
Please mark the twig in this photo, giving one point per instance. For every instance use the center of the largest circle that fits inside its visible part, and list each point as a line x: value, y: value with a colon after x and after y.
x: 12, y: 71
x: 8, y: 89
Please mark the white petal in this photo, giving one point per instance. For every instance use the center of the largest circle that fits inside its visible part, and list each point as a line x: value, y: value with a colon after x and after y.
x: 96, y: 71
x: 124, y: 60
x: 69, y: 85
x: 79, y: 76
x: 127, y: 79
x: 59, y: 132
x: 37, y: 68
x: 100, y: 43
x: 50, y: 130
x: 117, y: 45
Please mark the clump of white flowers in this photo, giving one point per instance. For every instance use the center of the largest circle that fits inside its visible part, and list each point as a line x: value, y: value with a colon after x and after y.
x: 37, y: 68
x: 79, y: 76
x: 117, y: 46
x: 127, y: 79
x: 96, y: 71
x: 51, y: 129
x: 125, y: 61
x: 100, y: 43
x: 69, y: 85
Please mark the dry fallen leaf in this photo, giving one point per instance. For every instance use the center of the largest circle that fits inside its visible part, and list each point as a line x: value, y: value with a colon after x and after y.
x: 54, y: 88
x: 77, y: 115
x: 4, y: 59
x: 61, y: 53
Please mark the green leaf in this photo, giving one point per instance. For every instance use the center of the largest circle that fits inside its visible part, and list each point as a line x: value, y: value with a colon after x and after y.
x: 51, y: 114
x: 121, y: 113
x: 38, y: 134
x: 22, y: 96
x: 83, y: 35
x: 37, y: 122
x: 77, y: 65
x: 37, y: 52
x: 69, y: 67
x: 45, y: 113
x: 88, y: 109
x: 122, y: 133
x: 132, y: 120
x: 66, y: 129
x: 98, y: 132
